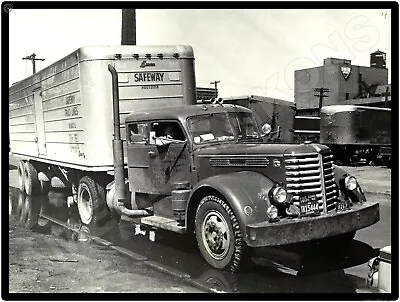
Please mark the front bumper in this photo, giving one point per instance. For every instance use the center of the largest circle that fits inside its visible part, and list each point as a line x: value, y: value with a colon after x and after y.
x: 295, y: 230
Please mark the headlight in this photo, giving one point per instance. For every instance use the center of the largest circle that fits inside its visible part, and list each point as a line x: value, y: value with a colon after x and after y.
x: 279, y: 195
x: 272, y: 212
x: 350, y: 183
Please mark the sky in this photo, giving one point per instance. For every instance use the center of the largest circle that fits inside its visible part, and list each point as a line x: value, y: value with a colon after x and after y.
x: 251, y: 52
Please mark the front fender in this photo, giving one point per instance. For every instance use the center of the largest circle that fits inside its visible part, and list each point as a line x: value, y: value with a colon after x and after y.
x: 244, y: 191
x: 357, y: 194
x: 340, y: 173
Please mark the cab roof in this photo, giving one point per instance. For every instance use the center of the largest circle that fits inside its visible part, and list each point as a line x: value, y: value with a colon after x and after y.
x: 183, y: 112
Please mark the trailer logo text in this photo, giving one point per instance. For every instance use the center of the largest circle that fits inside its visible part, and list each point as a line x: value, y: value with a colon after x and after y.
x: 145, y: 64
x: 149, y: 77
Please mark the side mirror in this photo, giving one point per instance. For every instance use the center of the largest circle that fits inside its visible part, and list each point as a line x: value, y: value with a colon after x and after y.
x: 265, y: 129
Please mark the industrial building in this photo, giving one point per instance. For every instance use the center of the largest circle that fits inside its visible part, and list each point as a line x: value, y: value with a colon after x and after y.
x: 342, y: 83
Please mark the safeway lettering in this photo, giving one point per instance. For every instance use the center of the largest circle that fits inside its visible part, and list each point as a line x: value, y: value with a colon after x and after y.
x: 149, y: 77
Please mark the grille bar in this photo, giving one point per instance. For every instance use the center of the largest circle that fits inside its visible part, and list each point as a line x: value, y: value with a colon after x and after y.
x: 312, y: 173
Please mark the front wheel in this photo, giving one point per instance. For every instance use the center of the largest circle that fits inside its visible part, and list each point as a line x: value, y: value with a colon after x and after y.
x: 218, y: 234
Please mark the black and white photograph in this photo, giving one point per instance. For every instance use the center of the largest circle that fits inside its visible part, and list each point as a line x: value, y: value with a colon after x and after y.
x: 165, y: 149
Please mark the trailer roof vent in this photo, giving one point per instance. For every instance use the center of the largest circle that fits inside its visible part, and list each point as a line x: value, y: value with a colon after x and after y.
x: 136, y: 56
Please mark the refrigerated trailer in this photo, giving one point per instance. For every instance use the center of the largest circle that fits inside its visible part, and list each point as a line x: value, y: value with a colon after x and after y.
x: 355, y: 132
x: 63, y: 114
x: 119, y: 128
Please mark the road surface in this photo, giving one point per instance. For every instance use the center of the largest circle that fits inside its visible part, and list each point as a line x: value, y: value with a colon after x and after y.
x: 327, y: 269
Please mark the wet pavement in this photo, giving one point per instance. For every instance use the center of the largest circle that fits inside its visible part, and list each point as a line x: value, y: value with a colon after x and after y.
x: 312, y: 268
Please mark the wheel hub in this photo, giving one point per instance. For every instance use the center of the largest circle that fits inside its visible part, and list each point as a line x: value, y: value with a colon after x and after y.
x: 215, y: 234
x: 85, y: 206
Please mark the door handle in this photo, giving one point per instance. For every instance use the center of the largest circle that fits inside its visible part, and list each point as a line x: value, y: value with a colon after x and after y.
x: 152, y: 154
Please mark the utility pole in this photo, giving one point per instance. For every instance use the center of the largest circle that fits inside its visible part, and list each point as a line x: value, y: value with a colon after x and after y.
x: 216, y: 87
x: 128, y: 32
x: 321, y: 95
x: 33, y: 58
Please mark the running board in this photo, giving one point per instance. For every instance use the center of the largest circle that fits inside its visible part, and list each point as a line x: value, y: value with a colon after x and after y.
x: 163, y: 223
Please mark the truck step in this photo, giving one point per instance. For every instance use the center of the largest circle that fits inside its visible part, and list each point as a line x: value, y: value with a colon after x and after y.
x: 163, y: 223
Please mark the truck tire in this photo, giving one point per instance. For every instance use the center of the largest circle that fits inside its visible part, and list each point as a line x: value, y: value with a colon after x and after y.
x: 92, y: 208
x: 32, y: 184
x: 30, y: 212
x: 218, y: 234
x: 21, y: 176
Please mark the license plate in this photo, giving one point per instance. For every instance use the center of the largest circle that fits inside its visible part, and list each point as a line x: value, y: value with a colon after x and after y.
x: 309, y: 205
x: 341, y: 206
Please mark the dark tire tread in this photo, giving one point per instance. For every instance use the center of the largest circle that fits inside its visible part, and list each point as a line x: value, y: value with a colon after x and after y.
x: 101, y: 215
x: 240, y: 248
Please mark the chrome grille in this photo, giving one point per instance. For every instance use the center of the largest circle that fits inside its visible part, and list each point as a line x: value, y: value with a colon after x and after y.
x: 331, y: 191
x: 311, y: 173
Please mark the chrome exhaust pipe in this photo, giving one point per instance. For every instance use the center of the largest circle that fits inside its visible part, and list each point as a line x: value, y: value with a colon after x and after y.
x: 118, y: 154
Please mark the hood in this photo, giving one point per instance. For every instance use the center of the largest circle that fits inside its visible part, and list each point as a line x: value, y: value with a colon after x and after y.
x: 276, y: 150
x: 263, y: 158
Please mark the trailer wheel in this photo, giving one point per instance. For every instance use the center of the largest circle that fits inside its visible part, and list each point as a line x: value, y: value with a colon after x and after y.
x: 30, y: 212
x: 92, y: 208
x: 218, y: 234
x: 21, y: 176
x: 32, y: 184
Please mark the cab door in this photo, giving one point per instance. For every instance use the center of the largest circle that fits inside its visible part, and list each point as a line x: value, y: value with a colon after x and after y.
x: 169, y: 159
x: 154, y: 168
x: 137, y: 138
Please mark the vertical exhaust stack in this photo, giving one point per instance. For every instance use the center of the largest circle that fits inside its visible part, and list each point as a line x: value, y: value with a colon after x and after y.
x: 118, y: 153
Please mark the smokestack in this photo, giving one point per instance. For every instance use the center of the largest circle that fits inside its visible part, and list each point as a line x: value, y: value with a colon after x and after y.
x: 128, y: 36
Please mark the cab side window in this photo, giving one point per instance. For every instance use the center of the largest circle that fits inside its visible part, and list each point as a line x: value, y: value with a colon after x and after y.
x: 169, y: 130
x: 138, y: 134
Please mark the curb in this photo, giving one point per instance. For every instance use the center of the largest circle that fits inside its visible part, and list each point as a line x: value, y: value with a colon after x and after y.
x: 166, y: 269
x: 128, y: 253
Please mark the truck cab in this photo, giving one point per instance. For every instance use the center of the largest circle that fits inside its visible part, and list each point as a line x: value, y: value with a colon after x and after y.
x: 205, y: 169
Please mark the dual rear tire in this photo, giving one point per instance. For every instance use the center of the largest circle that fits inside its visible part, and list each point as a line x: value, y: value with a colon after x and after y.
x: 28, y: 181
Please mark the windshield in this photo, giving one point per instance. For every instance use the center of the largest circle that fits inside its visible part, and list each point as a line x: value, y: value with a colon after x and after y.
x: 244, y: 125
x: 222, y: 127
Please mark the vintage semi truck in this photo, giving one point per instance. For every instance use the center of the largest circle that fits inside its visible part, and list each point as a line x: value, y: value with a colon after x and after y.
x: 120, y: 129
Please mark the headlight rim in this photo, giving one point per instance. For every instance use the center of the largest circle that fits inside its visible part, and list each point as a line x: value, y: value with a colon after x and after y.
x: 347, y: 180
x: 274, y: 193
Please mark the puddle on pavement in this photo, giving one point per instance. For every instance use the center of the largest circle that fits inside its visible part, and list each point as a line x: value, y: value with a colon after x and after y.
x: 307, y: 269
